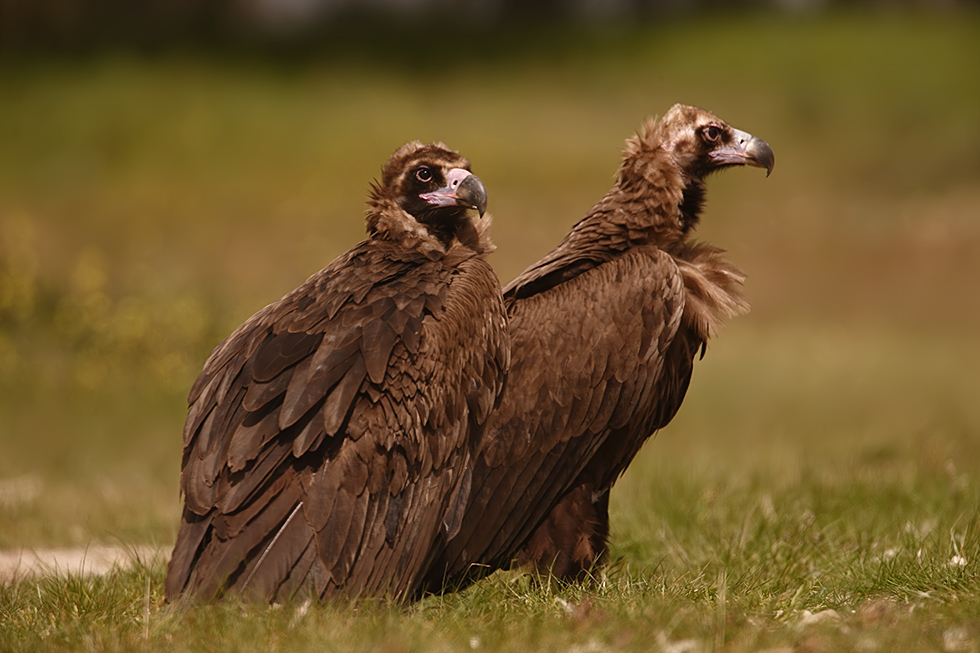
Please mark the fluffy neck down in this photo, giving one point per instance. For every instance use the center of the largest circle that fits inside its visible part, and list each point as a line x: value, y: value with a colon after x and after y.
x: 655, y: 202
x: 387, y: 221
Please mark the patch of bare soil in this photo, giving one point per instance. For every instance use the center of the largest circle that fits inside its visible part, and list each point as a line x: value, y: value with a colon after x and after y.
x: 84, y: 561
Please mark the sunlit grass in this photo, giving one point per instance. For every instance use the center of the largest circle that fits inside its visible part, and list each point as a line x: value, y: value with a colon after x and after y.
x: 825, y: 457
x: 708, y: 562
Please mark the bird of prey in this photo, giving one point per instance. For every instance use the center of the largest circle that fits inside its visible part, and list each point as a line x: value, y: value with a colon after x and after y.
x: 604, y: 333
x: 327, y: 437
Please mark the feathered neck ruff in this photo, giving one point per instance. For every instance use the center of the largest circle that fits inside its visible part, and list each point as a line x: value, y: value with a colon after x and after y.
x: 653, y: 186
x: 386, y: 220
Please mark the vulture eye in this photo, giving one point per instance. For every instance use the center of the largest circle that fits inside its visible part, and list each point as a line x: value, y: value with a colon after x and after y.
x: 423, y: 174
x: 711, y: 133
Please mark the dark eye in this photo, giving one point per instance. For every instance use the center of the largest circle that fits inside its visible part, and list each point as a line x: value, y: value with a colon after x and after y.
x: 711, y: 133
x: 423, y: 174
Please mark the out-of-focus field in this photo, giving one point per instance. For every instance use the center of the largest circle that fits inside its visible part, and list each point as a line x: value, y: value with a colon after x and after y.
x: 828, y: 452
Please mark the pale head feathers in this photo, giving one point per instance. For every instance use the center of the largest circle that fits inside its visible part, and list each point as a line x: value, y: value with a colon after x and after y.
x: 674, y: 137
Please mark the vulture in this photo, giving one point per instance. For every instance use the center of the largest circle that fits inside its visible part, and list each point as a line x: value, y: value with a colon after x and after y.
x: 327, y: 439
x: 604, y: 332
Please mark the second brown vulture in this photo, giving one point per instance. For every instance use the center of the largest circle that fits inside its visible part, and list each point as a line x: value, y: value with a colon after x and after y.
x: 328, y: 437
x: 604, y: 333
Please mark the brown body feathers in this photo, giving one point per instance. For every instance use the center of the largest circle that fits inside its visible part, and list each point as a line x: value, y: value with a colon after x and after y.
x: 604, y: 331
x: 328, y: 437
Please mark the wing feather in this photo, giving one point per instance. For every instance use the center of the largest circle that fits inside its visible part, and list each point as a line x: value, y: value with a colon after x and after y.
x: 351, y: 548
x: 324, y: 434
x: 332, y: 537
x: 311, y: 435
x: 198, y: 411
x: 280, y: 351
x: 230, y: 524
x: 378, y: 340
x: 338, y: 404
x: 252, y: 434
x: 193, y: 529
x: 259, y: 394
x: 235, y: 488
x: 278, y: 558
x: 299, y: 575
x: 306, y: 390
x: 198, y: 495
x: 580, y: 376
x: 374, y: 549
x: 321, y: 497
x: 221, y: 565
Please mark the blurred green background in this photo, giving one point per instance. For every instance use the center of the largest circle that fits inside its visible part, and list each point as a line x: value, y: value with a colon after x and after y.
x: 152, y: 199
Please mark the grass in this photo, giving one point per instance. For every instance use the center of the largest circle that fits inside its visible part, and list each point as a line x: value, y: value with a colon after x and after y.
x: 731, y: 564
x: 826, y: 457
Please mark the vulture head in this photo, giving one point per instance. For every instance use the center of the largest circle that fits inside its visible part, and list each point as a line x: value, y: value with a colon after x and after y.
x: 670, y: 157
x: 427, y: 192
x: 700, y: 142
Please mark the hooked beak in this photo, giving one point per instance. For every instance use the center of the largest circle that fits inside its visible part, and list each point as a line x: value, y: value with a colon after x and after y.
x: 462, y: 188
x: 745, y: 149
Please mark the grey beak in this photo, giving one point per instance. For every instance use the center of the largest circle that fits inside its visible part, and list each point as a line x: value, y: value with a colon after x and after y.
x: 462, y: 188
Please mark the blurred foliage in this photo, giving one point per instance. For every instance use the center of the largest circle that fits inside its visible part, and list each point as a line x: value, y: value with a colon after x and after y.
x: 74, y: 333
x: 291, y: 26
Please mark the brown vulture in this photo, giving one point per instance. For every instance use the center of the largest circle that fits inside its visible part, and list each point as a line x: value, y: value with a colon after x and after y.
x: 327, y: 438
x: 604, y: 331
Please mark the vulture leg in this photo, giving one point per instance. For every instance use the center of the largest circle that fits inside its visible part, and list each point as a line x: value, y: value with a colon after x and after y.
x: 573, y: 539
